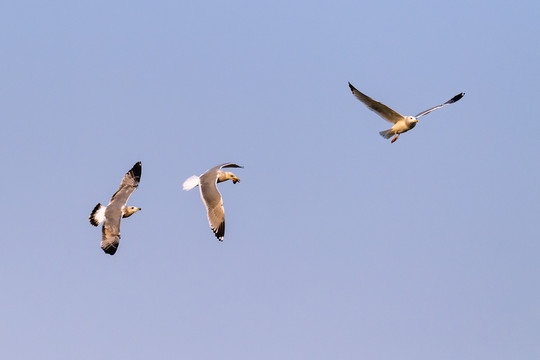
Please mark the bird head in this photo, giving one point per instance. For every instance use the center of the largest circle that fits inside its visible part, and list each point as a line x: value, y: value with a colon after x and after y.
x: 227, y: 175
x: 411, y: 119
x: 231, y: 176
x: 130, y: 210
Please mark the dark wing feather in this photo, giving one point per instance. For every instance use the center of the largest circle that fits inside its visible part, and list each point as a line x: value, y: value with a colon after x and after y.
x: 129, y: 183
x: 382, y: 110
x: 227, y: 165
x: 110, y: 238
x: 451, y: 101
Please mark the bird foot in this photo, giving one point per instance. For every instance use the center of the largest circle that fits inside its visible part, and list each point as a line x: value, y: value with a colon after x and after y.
x: 394, y: 139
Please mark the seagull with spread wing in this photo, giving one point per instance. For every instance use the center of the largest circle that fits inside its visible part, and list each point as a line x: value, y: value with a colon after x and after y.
x: 401, y: 123
x: 112, y: 214
x: 211, y: 196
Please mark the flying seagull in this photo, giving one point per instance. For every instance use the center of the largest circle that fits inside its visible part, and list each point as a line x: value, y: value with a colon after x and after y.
x: 210, y: 195
x: 116, y: 210
x: 401, y: 123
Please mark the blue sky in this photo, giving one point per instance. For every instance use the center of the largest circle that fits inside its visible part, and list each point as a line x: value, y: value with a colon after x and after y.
x: 338, y: 244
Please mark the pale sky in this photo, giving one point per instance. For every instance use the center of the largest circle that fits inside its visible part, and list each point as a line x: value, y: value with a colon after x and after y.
x: 339, y: 245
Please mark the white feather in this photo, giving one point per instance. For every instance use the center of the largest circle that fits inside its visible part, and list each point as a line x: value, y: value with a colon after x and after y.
x: 98, y: 215
x: 190, y: 182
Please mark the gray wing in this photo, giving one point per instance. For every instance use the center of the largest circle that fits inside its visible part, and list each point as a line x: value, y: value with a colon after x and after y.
x: 382, y: 110
x: 110, y: 238
x: 129, y: 183
x: 213, y: 201
x: 225, y: 165
x: 451, y: 101
x: 110, y: 234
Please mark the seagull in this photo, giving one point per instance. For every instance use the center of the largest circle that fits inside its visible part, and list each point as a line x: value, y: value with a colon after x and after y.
x: 401, y: 123
x: 210, y: 195
x: 116, y: 210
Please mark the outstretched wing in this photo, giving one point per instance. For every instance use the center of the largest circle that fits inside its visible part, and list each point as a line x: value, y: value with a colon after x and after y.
x: 451, y: 101
x: 129, y: 183
x: 226, y: 165
x: 110, y: 237
x: 213, y: 203
x: 382, y: 110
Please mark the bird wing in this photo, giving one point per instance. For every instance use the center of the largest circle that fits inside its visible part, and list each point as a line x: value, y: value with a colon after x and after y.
x: 382, y: 110
x: 213, y: 202
x: 113, y: 213
x: 225, y: 165
x: 129, y: 183
x: 451, y: 101
x: 110, y: 237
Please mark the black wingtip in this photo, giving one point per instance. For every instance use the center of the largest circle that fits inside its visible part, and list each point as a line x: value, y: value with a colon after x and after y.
x: 220, y: 231
x: 111, y: 250
x: 351, y: 87
x: 456, y: 98
x: 231, y: 165
x: 136, y: 170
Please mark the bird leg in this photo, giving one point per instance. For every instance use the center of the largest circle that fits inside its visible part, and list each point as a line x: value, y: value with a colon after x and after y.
x: 395, y: 138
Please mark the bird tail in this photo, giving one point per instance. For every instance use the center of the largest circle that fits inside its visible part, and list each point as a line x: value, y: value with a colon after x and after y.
x: 98, y: 215
x: 190, y: 182
x: 387, y: 134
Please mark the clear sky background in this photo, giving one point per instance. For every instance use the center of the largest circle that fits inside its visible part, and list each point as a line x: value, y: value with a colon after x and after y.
x: 339, y: 245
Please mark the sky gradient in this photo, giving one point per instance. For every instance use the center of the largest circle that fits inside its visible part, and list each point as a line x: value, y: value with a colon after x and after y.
x: 339, y: 245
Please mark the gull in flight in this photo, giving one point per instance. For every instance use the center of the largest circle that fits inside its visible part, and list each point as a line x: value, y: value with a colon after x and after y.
x: 111, y: 214
x: 401, y: 123
x: 210, y: 195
